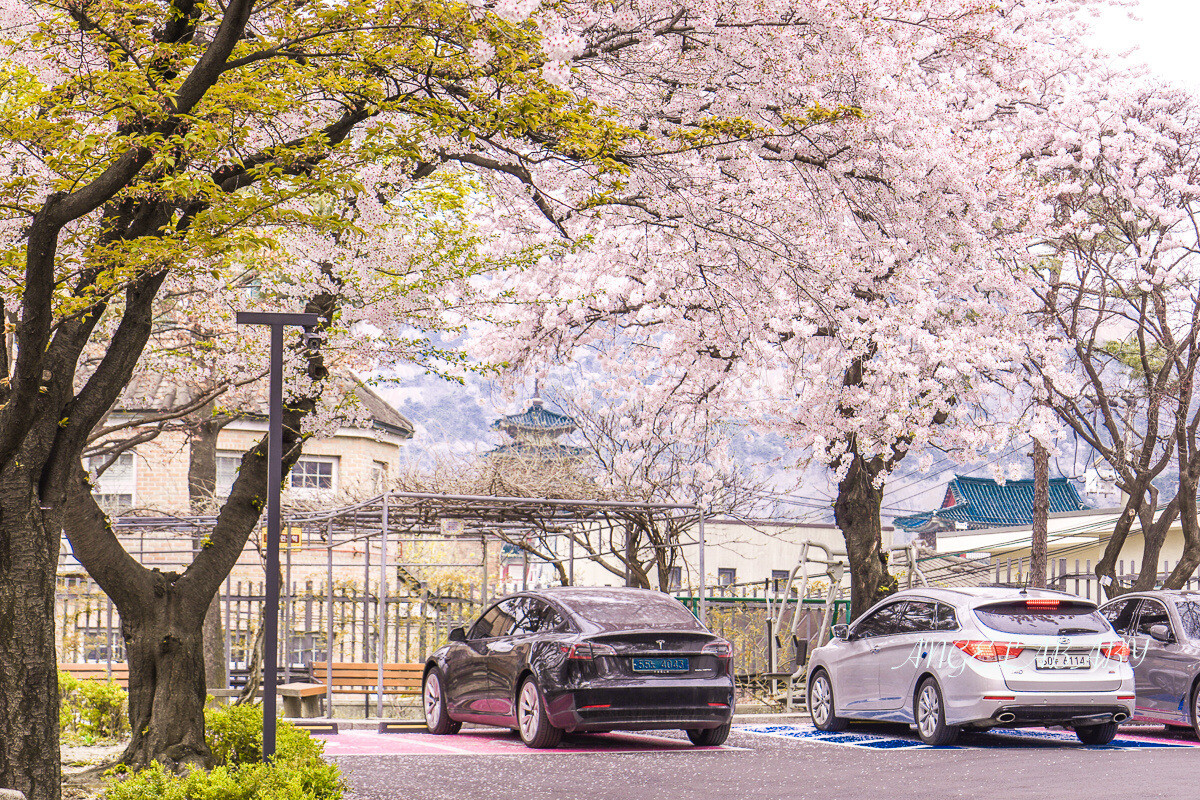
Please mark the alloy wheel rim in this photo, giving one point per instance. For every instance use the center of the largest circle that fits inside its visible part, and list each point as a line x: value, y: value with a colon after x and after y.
x: 433, y: 697
x: 528, y: 710
x: 927, y: 718
x: 820, y: 704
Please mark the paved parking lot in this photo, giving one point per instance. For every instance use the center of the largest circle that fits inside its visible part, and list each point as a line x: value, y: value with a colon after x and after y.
x: 1146, y: 763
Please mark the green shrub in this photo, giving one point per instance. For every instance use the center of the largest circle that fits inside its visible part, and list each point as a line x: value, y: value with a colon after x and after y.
x: 68, y: 702
x: 91, y: 708
x: 234, y: 735
x: 102, y: 709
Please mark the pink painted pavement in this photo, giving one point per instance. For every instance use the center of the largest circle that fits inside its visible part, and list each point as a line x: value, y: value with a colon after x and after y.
x: 498, y: 742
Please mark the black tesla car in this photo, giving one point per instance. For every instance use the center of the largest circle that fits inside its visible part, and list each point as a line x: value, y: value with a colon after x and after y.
x: 566, y: 659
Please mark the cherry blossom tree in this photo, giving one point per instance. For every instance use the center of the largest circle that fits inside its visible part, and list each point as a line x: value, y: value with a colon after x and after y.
x: 1120, y: 171
x: 822, y: 242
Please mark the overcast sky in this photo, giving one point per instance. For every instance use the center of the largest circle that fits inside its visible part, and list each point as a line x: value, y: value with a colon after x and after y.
x: 1165, y: 35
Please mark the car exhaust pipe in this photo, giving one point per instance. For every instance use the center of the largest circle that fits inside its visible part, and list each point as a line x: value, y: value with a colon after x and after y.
x: 1007, y: 716
x: 1120, y: 716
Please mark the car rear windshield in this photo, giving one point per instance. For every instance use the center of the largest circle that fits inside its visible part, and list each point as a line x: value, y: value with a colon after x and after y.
x: 1022, y: 616
x: 614, y: 612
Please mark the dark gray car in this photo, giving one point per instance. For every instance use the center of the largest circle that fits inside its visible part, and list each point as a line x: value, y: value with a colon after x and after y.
x: 1162, y: 629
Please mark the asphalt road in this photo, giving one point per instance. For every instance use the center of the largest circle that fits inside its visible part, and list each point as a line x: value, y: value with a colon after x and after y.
x: 779, y: 768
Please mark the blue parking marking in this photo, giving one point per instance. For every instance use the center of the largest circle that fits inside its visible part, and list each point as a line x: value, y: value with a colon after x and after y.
x: 997, y: 738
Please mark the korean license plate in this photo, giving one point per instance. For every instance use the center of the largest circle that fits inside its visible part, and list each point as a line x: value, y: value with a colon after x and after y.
x: 660, y: 665
x: 1063, y: 661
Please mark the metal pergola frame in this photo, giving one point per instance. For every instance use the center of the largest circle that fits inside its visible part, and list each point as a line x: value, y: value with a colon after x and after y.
x: 425, y: 510
x: 422, y: 513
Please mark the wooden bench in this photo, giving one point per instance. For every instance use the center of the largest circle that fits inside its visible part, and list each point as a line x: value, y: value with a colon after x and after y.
x: 303, y: 699
x: 120, y: 672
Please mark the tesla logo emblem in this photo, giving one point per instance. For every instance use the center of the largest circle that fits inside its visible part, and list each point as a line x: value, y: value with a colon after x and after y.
x: 662, y: 643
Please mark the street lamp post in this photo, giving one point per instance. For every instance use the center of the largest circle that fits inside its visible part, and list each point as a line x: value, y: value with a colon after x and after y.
x: 277, y: 321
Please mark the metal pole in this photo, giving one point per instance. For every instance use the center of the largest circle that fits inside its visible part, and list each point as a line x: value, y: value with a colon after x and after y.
x: 703, y: 600
x: 289, y: 612
x: 483, y: 594
x: 274, y: 479
x: 381, y: 616
x: 329, y: 622
x: 228, y: 631
x: 571, y: 562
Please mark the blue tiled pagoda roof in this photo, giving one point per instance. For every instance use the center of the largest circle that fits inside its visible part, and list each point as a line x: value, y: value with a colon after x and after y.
x: 536, y: 418
x: 984, y: 503
x: 547, y: 452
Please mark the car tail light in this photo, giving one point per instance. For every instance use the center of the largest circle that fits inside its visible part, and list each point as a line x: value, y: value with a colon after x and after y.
x: 1115, y: 651
x: 1041, y: 602
x: 982, y: 650
x: 719, y: 648
x: 586, y: 651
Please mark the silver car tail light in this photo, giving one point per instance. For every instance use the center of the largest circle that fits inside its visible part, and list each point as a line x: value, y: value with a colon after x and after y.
x: 1115, y: 651
x: 984, y: 650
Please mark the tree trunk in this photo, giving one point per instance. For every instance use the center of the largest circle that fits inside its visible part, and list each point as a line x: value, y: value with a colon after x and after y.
x: 29, y: 542
x: 857, y: 514
x: 1041, y: 516
x: 202, y: 497
x: 165, y: 650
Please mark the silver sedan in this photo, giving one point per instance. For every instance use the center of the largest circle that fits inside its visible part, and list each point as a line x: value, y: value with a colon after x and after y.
x: 949, y: 659
x: 1162, y: 629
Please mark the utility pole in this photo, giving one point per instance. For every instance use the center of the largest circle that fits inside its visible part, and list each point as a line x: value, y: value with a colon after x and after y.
x: 1041, y: 515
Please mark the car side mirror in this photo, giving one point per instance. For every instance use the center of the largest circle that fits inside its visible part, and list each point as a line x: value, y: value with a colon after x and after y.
x: 1161, y: 632
x: 841, y: 632
x: 458, y: 634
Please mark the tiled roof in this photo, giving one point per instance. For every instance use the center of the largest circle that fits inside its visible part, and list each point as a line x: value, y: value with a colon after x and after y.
x: 151, y: 391
x: 530, y: 451
x: 536, y: 418
x: 984, y: 503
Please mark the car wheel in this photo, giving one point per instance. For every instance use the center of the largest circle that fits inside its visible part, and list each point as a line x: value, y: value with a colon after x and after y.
x: 532, y: 722
x: 709, y: 737
x: 1097, y: 734
x: 930, y: 714
x: 1196, y: 709
x: 820, y: 703
x: 437, y: 719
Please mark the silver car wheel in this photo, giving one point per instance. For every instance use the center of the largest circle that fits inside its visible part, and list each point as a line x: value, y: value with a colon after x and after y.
x: 822, y: 700
x: 929, y: 710
x: 433, y: 700
x: 528, y: 711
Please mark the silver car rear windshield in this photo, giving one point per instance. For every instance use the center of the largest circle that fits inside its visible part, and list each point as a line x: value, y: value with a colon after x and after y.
x: 614, y: 612
x: 1042, y: 617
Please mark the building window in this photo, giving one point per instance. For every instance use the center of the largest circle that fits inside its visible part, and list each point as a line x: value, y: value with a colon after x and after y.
x: 779, y: 579
x: 315, y: 472
x: 379, y: 474
x: 675, y: 577
x: 114, y: 490
x: 726, y: 576
x: 228, y: 464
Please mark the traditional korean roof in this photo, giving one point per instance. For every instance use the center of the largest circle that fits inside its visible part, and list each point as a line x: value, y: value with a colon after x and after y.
x: 535, y: 419
x: 976, y: 503
x: 547, y: 452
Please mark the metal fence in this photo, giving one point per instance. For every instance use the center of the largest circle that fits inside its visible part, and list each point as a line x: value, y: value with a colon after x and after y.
x: 318, y: 622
